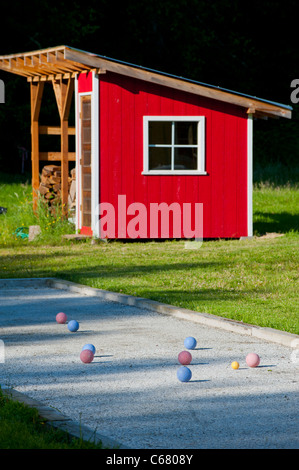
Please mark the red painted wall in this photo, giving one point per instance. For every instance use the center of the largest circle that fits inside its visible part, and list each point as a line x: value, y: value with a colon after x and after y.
x: 85, y: 82
x: 223, y: 191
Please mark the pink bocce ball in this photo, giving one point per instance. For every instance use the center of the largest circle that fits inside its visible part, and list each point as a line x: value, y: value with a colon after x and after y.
x: 86, y: 356
x: 252, y: 360
x: 61, y: 317
x: 185, y: 358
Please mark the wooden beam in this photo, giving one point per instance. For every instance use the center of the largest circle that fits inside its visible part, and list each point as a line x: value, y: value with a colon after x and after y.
x: 36, y: 92
x: 57, y: 91
x: 57, y: 60
x: 48, y: 68
x: 36, y: 99
x: 67, y: 94
x: 64, y: 166
x: 67, y: 99
x: 4, y: 65
x: 34, y: 161
x: 63, y: 90
x: 55, y: 130
x: 56, y: 156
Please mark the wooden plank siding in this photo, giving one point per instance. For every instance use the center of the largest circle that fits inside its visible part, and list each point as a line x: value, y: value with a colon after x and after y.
x: 223, y: 191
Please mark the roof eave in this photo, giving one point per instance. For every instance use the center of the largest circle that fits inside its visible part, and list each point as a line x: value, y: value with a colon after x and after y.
x: 65, y: 61
x: 253, y: 105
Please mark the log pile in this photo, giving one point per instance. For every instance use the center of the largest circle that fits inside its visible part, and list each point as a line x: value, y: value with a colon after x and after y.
x: 50, y: 186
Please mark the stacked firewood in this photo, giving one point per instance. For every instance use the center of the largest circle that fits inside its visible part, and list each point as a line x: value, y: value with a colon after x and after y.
x: 50, y: 186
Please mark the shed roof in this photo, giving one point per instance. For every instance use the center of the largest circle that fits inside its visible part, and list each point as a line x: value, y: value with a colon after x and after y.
x: 65, y: 62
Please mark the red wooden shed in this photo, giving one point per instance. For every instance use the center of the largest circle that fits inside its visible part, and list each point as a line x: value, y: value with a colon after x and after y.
x: 157, y: 155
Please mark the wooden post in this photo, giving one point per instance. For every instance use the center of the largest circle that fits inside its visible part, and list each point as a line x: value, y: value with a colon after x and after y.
x: 64, y: 165
x: 36, y: 93
x: 63, y: 90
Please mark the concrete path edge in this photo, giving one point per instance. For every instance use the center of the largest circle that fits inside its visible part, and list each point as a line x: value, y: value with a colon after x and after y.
x: 54, y: 418
x: 267, y: 334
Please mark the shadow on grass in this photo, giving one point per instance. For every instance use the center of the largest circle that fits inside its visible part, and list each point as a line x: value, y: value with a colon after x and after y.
x: 19, y: 308
x: 96, y: 271
x: 282, y: 222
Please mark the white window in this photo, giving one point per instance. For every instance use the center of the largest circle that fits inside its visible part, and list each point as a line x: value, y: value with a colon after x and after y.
x: 174, y: 145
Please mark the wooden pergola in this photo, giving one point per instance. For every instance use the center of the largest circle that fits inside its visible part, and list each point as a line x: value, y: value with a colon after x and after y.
x: 61, y: 64
x: 49, y: 65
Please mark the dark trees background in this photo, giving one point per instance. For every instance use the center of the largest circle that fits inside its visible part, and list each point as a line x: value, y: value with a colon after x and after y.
x: 246, y: 46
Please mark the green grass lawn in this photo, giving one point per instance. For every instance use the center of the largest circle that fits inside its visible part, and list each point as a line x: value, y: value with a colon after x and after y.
x: 275, y: 209
x: 22, y: 428
x: 254, y: 280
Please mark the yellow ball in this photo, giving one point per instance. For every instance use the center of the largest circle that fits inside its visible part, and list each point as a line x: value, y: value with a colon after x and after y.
x: 235, y: 365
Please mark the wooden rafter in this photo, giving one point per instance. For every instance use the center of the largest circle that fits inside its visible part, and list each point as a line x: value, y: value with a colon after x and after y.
x: 42, y: 64
x: 38, y: 67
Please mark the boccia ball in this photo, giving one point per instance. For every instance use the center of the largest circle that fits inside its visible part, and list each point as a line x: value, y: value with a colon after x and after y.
x: 190, y: 342
x: 184, y: 358
x: 61, y: 317
x: 184, y: 374
x: 73, y: 325
x: 86, y: 356
x: 90, y: 347
x: 235, y: 365
x: 252, y: 360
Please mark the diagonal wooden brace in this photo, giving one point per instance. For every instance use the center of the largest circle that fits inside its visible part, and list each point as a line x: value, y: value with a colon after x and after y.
x: 63, y: 89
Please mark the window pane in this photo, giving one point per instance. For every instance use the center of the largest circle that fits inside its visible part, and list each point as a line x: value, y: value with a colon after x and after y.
x: 186, y: 133
x: 159, y: 132
x: 86, y: 181
x: 159, y: 158
x: 86, y: 137
x: 86, y: 157
x: 86, y: 108
x: 185, y: 158
x: 86, y: 222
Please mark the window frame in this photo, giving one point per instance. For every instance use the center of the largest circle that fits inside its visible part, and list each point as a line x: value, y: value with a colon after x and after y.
x: 200, y: 145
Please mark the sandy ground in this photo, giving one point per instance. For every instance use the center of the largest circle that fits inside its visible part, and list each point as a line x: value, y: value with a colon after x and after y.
x: 130, y: 392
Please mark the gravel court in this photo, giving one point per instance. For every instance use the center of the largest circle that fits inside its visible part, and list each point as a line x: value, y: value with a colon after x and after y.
x: 130, y: 391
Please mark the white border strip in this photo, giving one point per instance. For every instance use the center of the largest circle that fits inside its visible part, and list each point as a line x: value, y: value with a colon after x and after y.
x: 95, y: 164
x: 79, y: 201
x: 77, y: 149
x: 200, y: 146
x: 94, y: 154
x: 249, y: 174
